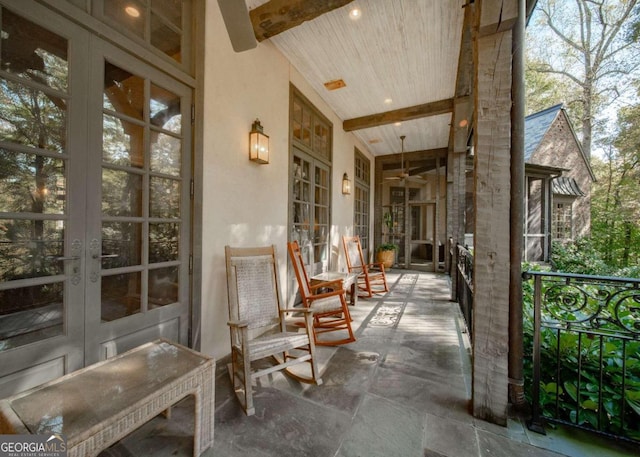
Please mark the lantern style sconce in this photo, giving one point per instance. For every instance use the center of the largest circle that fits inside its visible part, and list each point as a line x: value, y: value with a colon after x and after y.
x: 258, y: 144
x: 346, y: 184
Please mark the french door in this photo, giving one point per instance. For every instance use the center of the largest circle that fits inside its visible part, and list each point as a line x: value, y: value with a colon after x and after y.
x: 94, y: 199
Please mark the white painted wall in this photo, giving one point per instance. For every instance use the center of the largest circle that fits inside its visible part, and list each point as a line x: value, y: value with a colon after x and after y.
x: 245, y: 204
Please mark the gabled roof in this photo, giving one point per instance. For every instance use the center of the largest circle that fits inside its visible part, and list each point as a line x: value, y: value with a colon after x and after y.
x: 535, y: 127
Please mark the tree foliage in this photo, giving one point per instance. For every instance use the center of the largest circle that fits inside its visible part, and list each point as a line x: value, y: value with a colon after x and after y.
x: 615, y: 202
x: 590, y: 46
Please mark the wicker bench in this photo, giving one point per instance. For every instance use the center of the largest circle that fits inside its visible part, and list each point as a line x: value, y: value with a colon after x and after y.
x: 98, y: 405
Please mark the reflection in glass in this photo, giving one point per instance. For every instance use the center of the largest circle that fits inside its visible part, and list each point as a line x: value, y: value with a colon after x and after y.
x: 164, y: 241
x: 28, y: 248
x: 121, y: 244
x: 120, y: 296
x: 165, y: 109
x: 166, y: 38
x: 32, y: 117
x: 163, y: 286
x: 121, y: 193
x: 31, y: 183
x: 128, y: 13
x: 122, y: 142
x: 30, y: 314
x: 164, y: 198
x: 171, y: 10
x: 123, y: 91
x: 33, y: 53
x: 166, y: 154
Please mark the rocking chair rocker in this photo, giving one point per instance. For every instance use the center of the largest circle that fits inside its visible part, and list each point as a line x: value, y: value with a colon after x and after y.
x: 257, y: 324
x: 330, y: 311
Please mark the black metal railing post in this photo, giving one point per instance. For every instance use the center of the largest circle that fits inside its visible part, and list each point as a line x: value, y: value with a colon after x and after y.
x: 536, y: 423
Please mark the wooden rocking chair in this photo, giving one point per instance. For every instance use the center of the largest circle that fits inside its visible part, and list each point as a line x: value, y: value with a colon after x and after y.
x: 330, y: 311
x: 372, y: 278
x: 257, y: 324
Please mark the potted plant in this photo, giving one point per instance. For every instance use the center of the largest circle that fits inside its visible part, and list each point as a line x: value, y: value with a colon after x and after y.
x: 386, y: 254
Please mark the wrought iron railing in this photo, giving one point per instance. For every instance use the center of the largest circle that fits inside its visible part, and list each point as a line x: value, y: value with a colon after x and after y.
x: 584, y: 341
x: 464, y: 293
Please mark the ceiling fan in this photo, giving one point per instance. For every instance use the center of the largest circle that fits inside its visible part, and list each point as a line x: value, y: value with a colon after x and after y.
x: 404, y: 173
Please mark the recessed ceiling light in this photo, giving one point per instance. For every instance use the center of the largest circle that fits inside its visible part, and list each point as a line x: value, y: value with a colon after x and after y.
x: 375, y: 140
x: 388, y: 101
x: 355, y: 14
x: 335, y: 84
x: 132, y: 11
x: 398, y: 124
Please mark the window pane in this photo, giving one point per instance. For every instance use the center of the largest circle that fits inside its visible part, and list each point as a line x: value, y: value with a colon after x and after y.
x: 33, y: 52
x: 121, y: 193
x: 165, y: 198
x: 163, y: 286
x: 32, y: 117
x: 170, y: 10
x: 166, y: 154
x: 31, y: 183
x: 123, y: 92
x: 128, y: 13
x: 28, y: 248
x: 120, y: 296
x: 121, y: 244
x: 165, y: 109
x: 164, y: 242
x: 30, y: 314
x: 122, y: 142
x: 166, y: 38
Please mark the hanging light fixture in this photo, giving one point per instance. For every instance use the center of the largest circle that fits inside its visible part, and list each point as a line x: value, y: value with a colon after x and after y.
x: 346, y: 184
x: 258, y: 144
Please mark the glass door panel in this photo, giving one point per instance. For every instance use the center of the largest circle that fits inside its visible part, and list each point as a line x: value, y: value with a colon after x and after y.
x: 33, y: 206
x: 422, y: 225
x: 41, y: 244
x: 140, y: 250
x: 95, y: 166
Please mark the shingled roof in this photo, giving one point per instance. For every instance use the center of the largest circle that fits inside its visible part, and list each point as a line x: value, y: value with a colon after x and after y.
x: 535, y: 126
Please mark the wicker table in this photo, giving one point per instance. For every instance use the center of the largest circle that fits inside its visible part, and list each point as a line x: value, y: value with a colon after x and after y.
x: 349, y: 282
x: 98, y: 405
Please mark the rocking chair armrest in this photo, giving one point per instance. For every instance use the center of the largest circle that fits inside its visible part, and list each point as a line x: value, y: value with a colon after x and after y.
x: 326, y: 294
x: 295, y: 310
x: 377, y: 265
x: 234, y: 323
x: 330, y: 284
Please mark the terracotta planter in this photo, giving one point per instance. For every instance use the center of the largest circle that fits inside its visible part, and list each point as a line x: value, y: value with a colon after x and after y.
x: 387, y: 258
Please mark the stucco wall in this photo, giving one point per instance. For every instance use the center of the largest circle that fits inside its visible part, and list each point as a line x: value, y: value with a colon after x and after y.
x: 245, y: 204
x: 559, y: 149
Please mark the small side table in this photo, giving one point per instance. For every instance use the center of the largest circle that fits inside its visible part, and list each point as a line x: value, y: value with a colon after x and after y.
x: 349, y: 282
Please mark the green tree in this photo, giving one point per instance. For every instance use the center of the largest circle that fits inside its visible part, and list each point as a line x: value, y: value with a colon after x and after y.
x: 615, y: 202
x: 543, y: 90
x: 590, y: 45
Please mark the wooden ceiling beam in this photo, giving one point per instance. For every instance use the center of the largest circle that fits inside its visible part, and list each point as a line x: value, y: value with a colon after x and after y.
x: 399, y: 115
x: 277, y: 16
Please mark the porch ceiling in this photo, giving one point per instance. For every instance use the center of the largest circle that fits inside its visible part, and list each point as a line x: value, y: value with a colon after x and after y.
x: 403, y: 50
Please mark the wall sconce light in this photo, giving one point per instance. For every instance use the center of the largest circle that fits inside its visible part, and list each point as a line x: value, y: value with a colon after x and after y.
x: 346, y: 184
x: 258, y: 144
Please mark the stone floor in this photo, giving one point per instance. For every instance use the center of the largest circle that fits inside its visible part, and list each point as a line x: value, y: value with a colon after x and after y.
x: 402, y: 389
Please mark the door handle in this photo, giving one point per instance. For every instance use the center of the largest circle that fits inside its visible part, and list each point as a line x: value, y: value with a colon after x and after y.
x: 105, y: 256
x: 72, y: 257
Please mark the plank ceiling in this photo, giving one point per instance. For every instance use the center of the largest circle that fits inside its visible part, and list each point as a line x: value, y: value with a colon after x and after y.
x: 403, y: 50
